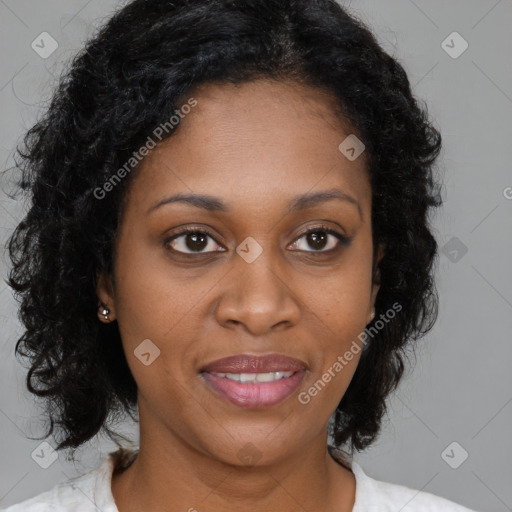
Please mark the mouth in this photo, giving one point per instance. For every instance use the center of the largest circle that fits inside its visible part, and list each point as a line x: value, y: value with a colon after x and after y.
x: 250, y: 381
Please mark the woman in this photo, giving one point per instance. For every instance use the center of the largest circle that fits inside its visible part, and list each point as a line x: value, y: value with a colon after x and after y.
x: 228, y: 240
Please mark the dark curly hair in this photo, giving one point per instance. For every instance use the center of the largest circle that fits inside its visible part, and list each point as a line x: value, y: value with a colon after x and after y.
x: 131, y: 77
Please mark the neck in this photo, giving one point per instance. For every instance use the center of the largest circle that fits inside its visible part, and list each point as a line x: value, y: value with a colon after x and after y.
x: 181, y: 477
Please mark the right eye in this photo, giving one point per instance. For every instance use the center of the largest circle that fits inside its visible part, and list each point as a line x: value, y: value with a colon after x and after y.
x: 191, y: 241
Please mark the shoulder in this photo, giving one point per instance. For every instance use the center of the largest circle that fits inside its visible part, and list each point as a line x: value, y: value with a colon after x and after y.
x: 62, y: 497
x: 55, y: 499
x: 89, y: 492
x: 374, y: 495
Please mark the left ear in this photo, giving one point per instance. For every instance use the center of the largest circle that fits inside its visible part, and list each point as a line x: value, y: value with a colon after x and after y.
x: 105, y: 294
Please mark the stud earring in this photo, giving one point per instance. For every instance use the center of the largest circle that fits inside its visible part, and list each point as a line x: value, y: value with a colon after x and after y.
x: 105, y: 312
x: 372, y: 316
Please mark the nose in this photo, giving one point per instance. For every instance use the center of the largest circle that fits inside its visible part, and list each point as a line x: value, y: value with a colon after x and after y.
x: 259, y: 297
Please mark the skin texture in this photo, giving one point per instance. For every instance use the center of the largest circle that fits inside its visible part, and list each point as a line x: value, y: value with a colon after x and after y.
x: 256, y: 146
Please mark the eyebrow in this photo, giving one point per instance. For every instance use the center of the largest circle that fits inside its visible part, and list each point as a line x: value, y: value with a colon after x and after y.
x: 214, y: 204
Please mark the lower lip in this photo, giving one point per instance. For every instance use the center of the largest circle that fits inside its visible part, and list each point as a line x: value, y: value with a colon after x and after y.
x: 254, y: 395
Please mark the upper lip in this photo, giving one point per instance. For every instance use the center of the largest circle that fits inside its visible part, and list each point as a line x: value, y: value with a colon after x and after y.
x: 248, y: 363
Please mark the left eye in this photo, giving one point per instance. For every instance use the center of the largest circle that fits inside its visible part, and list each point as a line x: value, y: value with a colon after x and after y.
x: 318, y: 238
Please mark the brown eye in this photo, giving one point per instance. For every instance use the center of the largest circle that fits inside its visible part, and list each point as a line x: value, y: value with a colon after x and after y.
x: 320, y: 239
x: 192, y: 241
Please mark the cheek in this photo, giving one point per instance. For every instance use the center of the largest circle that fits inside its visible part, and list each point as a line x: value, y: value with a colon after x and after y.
x: 340, y: 312
x: 160, y: 309
x: 340, y: 295
x: 341, y: 301
x: 346, y: 320
x: 151, y: 297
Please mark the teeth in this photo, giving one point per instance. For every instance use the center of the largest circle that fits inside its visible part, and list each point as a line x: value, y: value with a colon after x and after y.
x: 255, y: 377
x: 271, y: 376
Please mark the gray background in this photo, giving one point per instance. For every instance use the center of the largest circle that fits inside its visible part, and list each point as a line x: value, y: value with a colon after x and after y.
x: 461, y: 387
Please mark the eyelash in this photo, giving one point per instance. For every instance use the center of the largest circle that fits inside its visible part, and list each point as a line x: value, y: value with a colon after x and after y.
x: 343, y: 240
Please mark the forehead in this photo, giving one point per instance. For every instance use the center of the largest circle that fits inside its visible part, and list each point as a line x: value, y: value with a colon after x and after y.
x: 254, y: 143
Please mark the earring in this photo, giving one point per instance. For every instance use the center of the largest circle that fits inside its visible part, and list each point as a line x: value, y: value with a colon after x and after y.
x: 105, y: 312
x: 372, y: 316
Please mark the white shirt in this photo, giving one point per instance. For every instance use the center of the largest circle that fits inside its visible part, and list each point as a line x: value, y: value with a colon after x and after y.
x: 92, y: 492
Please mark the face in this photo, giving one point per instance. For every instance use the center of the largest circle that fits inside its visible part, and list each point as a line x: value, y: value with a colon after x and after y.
x: 249, y: 280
